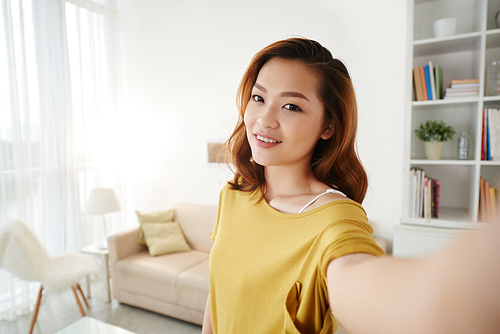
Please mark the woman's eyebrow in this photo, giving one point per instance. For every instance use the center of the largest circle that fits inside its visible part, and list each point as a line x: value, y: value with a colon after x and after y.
x: 284, y: 94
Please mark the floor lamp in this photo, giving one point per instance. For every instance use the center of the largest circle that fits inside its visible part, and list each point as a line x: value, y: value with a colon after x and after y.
x: 102, y: 201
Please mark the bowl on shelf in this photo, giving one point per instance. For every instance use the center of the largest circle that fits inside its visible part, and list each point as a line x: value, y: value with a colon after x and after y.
x: 445, y: 27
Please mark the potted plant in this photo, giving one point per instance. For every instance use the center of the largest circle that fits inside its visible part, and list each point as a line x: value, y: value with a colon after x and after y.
x: 434, y: 134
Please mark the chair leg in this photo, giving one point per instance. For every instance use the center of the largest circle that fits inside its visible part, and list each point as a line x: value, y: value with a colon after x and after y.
x: 78, y: 301
x: 83, y: 295
x: 37, y: 307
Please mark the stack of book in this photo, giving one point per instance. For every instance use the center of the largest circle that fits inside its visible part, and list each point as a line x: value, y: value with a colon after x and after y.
x: 489, y: 203
x: 424, y: 197
x: 462, y: 88
x: 428, y: 82
x: 490, y: 136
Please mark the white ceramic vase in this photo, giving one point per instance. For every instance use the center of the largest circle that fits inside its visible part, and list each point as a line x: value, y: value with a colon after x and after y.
x: 434, y: 150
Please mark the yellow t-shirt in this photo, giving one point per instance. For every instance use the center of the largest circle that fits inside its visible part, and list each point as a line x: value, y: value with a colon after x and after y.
x: 268, y: 268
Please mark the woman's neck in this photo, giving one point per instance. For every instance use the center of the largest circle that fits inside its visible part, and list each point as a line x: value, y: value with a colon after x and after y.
x: 289, y: 181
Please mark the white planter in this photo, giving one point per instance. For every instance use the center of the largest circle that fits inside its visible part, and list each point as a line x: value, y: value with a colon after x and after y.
x: 434, y: 150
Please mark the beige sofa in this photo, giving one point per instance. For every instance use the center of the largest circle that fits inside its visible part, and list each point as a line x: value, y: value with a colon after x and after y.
x: 174, y: 284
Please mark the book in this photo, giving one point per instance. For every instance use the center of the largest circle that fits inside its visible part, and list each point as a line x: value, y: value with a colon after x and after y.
x: 464, y: 81
x: 483, y: 142
x: 424, y: 195
x: 482, y: 204
x: 487, y: 137
x: 436, y: 189
x: 466, y: 86
x: 428, y: 82
x: 492, y: 134
x: 424, y: 83
x: 462, y: 88
x: 427, y: 199
x: 418, y: 84
x: 432, y: 80
x: 438, y: 75
x: 495, y: 133
x: 413, y: 195
x: 493, y: 211
x: 487, y: 201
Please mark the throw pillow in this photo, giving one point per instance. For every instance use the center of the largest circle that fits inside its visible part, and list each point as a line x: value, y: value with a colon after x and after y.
x: 153, y: 217
x: 164, y: 238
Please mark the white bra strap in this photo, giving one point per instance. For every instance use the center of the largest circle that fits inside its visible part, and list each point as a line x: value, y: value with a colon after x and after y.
x: 328, y: 191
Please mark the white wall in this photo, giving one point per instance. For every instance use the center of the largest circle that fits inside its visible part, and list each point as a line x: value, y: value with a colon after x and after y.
x: 181, y: 63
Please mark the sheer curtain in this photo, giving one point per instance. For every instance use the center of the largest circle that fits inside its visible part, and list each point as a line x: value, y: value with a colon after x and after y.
x: 57, y: 100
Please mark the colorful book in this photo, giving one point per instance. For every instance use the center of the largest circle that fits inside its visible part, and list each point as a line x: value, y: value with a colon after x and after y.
x: 487, y: 138
x: 418, y: 84
x: 483, y: 135
x: 428, y: 82
x: 424, y: 83
x: 432, y: 80
x: 438, y: 75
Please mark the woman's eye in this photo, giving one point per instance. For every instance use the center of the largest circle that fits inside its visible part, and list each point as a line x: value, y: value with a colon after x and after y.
x: 257, y: 98
x: 292, y: 107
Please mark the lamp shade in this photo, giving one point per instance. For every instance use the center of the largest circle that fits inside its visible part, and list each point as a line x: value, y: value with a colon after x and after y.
x: 101, y: 201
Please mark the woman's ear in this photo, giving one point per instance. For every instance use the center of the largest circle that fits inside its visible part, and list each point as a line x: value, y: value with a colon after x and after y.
x: 328, y: 132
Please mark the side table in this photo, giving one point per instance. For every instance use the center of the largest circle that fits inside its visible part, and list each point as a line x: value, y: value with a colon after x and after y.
x: 103, y: 255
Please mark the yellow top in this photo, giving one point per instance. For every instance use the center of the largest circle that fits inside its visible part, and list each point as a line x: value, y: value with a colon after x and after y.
x: 268, y: 268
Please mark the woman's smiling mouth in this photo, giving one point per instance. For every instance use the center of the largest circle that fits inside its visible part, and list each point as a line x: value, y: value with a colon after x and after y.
x: 267, y: 140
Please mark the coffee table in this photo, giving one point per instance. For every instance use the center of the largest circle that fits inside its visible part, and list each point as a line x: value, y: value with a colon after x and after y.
x: 86, y: 325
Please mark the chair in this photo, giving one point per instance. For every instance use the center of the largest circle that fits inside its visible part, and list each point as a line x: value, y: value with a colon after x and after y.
x: 22, y: 254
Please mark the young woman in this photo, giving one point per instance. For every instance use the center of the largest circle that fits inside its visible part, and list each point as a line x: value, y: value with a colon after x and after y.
x: 293, y: 251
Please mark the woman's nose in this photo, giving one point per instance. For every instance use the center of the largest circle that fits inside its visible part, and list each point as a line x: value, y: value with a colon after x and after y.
x: 267, y: 118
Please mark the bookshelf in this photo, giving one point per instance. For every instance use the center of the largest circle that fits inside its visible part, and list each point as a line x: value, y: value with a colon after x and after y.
x: 463, y: 55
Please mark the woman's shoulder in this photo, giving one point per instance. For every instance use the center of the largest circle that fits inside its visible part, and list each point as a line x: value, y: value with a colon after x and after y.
x: 326, y: 195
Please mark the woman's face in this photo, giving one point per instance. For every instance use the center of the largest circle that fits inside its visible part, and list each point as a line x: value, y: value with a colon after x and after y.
x: 284, y: 117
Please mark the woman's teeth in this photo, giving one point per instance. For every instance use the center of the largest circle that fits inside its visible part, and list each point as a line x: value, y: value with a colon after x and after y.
x: 267, y: 140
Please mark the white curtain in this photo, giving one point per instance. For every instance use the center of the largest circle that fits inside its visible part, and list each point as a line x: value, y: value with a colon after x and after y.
x: 57, y: 101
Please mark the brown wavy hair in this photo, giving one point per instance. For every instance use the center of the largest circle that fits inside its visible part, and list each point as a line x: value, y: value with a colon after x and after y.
x: 334, y: 161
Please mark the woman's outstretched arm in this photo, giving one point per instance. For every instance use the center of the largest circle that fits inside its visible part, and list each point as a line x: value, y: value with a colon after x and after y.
x: 455, y: 291
x: 207, y: 320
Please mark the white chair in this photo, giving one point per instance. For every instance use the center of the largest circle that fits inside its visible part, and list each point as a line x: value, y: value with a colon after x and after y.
x: 22, y: 254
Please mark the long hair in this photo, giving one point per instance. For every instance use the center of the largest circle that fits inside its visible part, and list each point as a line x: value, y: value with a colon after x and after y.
x: 334, y: 161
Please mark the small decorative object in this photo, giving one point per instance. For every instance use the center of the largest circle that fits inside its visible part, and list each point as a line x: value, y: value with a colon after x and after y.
x: 102, y: 201
x: 434, y: 134
x: 493, y: 78
x: 445, y: 27
x: 463, y: 146
x: 497, y: 19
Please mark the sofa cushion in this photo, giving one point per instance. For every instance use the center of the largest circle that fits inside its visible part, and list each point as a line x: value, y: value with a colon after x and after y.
x: 197, y: 222
x: 164, y: 238
x: 192, y: 287
x: 152, y: 217
x: 155, y: 277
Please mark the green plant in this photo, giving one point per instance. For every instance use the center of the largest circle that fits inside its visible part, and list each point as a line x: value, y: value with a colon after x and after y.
x: 435, y: 131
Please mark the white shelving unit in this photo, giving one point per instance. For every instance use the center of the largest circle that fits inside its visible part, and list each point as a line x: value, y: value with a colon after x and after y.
x: 462, y: 56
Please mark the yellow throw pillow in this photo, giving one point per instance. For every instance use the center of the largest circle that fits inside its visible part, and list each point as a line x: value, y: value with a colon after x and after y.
x: 164, y: 238
x: 153, y: 217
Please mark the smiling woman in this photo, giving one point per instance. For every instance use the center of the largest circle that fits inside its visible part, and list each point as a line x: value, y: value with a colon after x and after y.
x: 293, y: 250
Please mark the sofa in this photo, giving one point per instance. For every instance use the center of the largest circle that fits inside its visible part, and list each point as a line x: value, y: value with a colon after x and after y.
x: 174, y: 284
